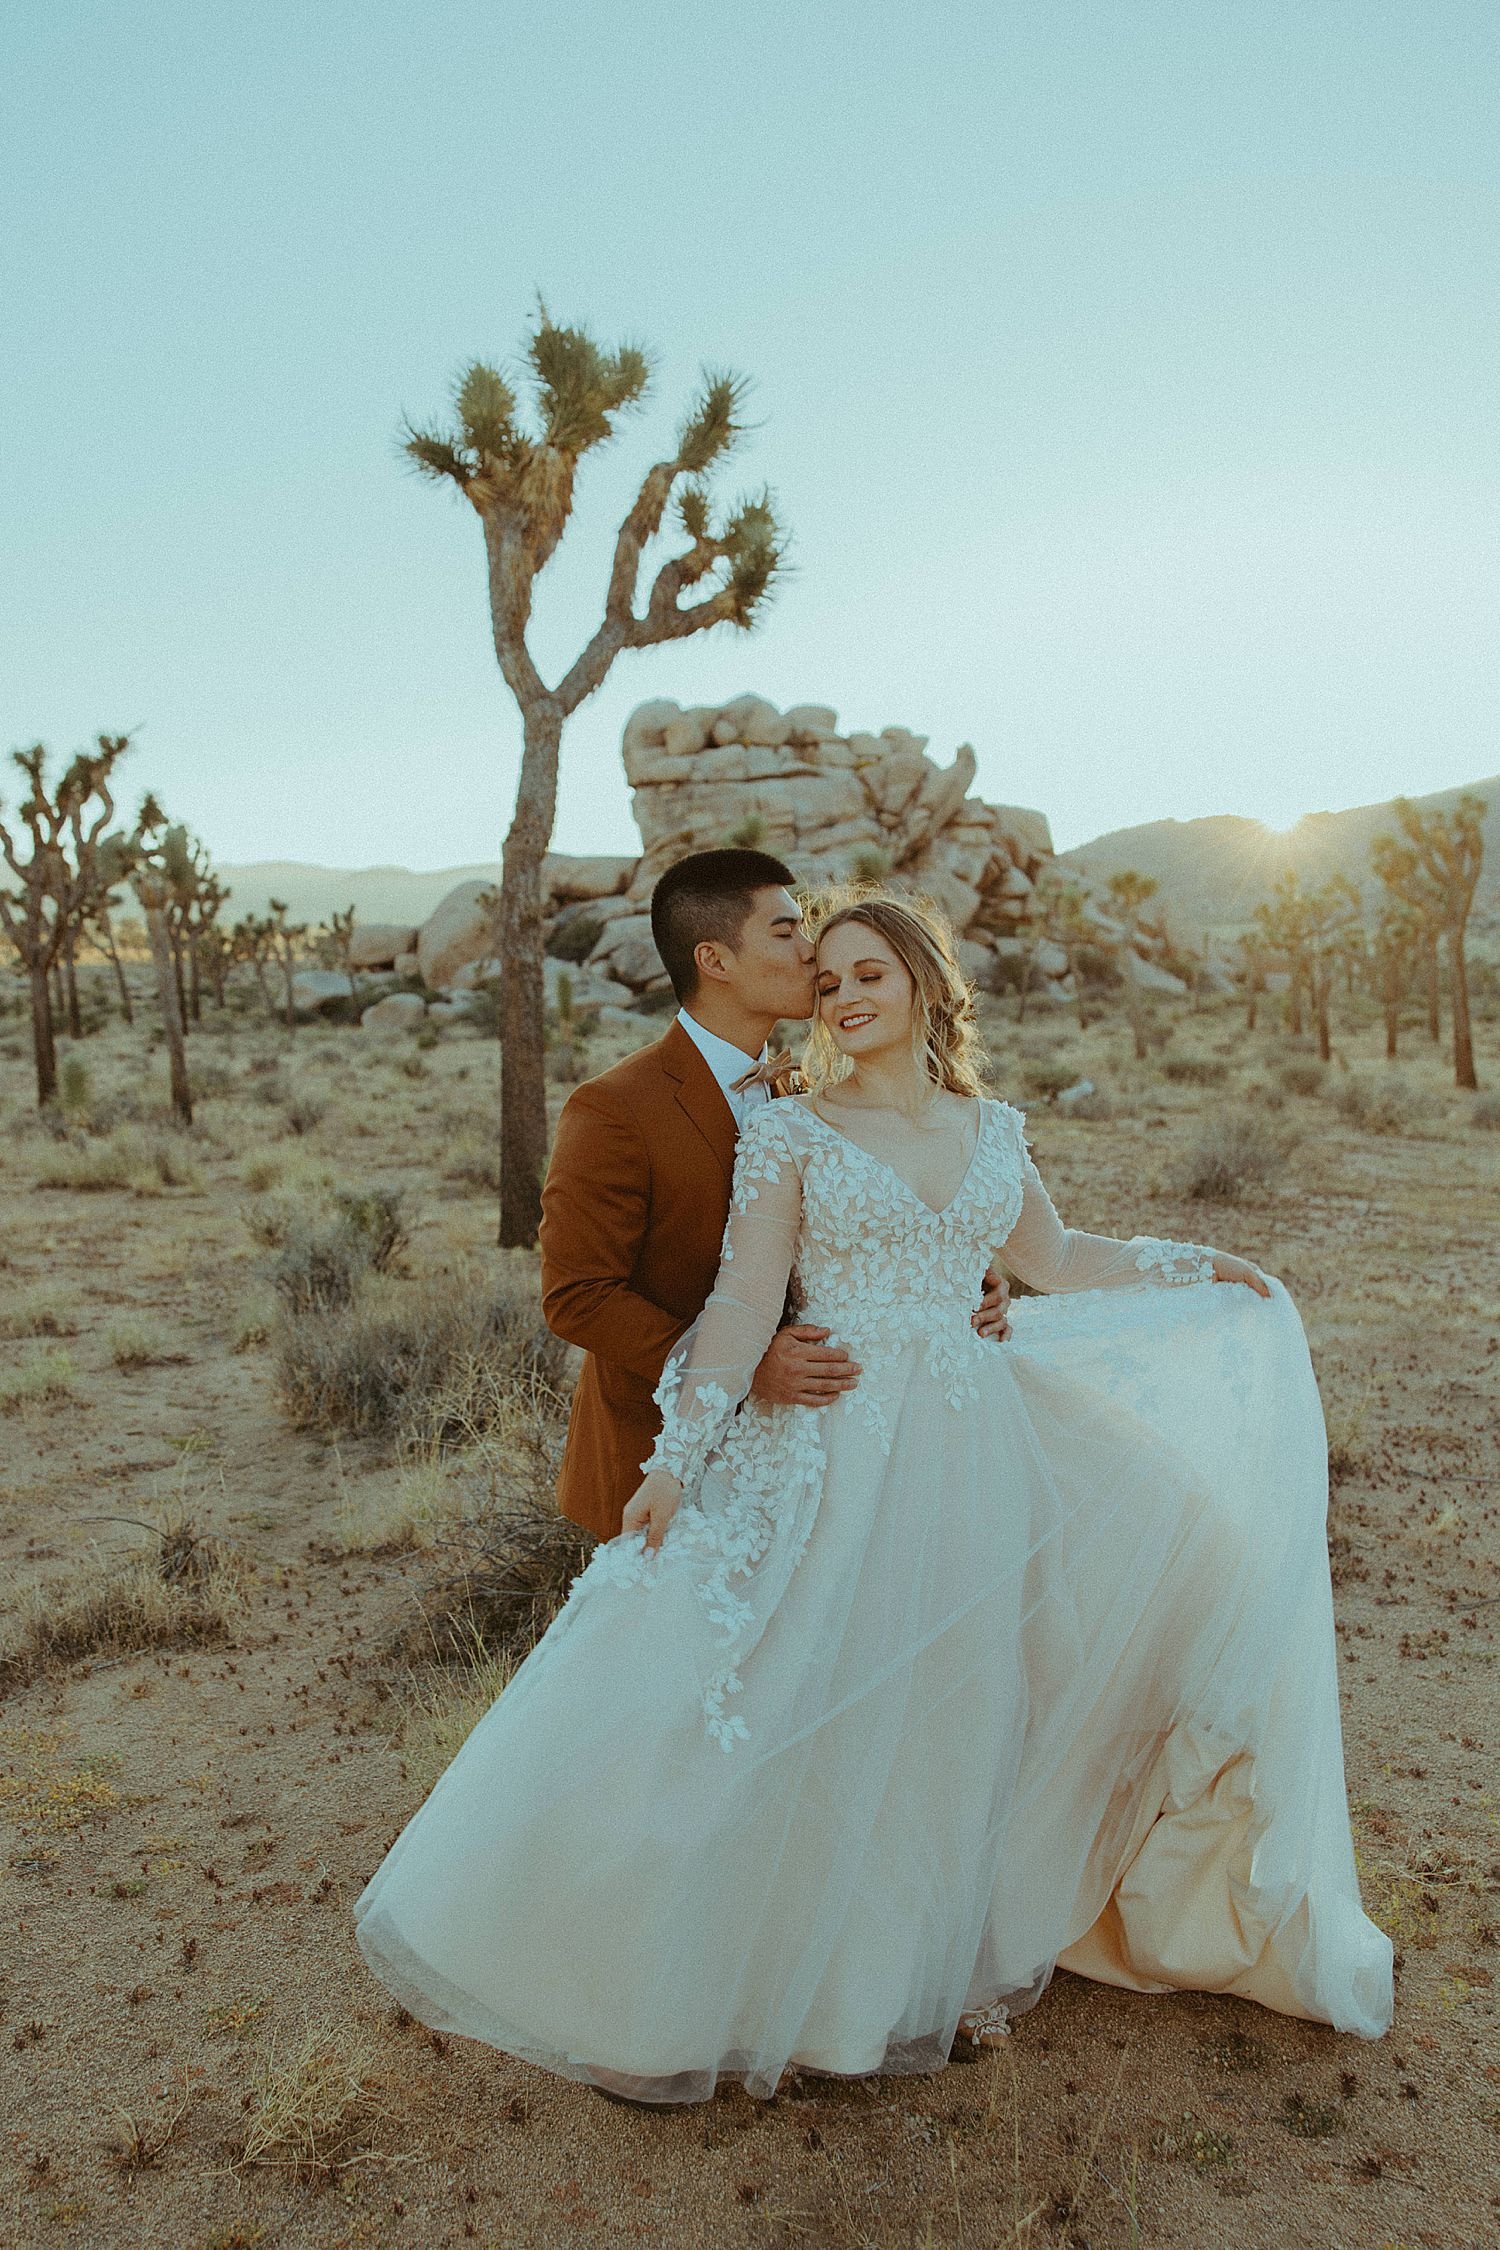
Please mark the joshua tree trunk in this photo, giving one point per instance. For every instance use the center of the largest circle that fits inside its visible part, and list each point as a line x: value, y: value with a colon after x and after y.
x: 1392, y: 998
x: 70, y: 987
x: 174, y: 954
x: 170, y: 991
x: 523, y: 1084
x: 1321, y: 981
x: 1458, y: 1002
x: 195, y: 982
x: 1294, y: 1004
x: 106, y: 932
x: 1430, y: 954
x: 43, y: 1040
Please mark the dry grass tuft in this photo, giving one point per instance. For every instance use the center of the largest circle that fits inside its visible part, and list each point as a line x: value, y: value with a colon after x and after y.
x: 43, y: 1378
x: 140, y: 2147
x: 312, y: 2104
x: 443, y: 1708
x: 134, y: 1341
x: 39, y: 1312
x: 189, y: 1592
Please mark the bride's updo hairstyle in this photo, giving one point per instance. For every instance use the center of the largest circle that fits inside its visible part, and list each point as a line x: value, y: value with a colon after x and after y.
x: 944, y: 1036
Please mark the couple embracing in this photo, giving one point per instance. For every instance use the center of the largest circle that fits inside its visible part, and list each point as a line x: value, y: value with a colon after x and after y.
x: 931, y: 1642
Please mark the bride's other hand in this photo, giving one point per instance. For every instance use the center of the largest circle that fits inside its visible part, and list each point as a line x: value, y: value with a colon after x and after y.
x: 992, y: 1320
x: 1236, y: 1269
x: 652, y: 1506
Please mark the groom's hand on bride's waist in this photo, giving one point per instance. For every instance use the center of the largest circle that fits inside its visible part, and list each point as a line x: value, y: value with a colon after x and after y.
x: 992, y: 1320
x: 801, y: 1368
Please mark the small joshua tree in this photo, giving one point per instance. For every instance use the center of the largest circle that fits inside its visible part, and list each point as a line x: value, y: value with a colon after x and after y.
x: 1395, y: 948
x: 1432, y: 868
x: 285, y: 937
x: 1127, y: 892
x: 1334, y: 934
x: 519, y: 481
x: 62, y: 877
x: 156, y: 871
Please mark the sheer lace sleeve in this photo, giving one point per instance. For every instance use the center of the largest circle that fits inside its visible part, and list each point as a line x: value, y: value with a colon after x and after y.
x: 708, y: 1372
x: 1049, y: 1256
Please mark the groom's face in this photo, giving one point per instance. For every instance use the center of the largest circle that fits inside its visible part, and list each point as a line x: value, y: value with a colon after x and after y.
x: 771, y: 964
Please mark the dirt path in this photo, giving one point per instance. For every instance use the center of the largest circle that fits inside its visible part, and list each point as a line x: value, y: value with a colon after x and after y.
x: 185, y: 1828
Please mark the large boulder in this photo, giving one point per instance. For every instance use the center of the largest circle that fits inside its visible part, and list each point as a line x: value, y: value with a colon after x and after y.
x: 398, y: 1011
x: 379, y: 945
x: 459, y: 929
x: 1148, y: 976
x: 567, y: 878
x: 316, y: 989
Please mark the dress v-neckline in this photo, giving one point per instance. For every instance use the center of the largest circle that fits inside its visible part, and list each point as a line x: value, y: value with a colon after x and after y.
x: 934, y: 1211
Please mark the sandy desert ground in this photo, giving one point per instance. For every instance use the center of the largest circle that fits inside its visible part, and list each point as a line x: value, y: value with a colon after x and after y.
x: 216, y: 1707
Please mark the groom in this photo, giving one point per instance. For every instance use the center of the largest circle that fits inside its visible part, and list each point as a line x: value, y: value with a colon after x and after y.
x: 637, y: 1192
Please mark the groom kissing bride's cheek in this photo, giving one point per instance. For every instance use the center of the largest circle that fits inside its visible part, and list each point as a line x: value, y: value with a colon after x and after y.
x: 859, y: 1723
x: 637, y: 1194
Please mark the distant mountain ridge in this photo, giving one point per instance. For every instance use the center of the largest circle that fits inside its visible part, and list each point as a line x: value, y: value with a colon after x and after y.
x: 377, y: 894
x: 1213, y: 872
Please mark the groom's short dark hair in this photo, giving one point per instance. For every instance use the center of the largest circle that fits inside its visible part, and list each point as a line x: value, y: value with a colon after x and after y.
x: 707, y: 895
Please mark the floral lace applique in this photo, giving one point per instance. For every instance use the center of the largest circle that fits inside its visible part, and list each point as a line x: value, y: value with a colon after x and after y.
x: 1174, y: 1262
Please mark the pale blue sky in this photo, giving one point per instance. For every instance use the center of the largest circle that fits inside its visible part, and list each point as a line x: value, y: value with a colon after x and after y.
x: 1126, y: 374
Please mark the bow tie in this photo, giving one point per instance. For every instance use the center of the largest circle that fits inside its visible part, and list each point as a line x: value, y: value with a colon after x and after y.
x: 764, y: 1073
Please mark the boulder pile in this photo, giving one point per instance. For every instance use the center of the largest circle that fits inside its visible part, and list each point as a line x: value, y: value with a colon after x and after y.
x: 836, y: 807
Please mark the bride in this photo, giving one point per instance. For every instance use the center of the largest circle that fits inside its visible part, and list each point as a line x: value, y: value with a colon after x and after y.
x: 1021, y: 1654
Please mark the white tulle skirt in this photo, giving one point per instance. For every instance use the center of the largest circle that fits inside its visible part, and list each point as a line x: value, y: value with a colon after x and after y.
x: 1048, y: 1676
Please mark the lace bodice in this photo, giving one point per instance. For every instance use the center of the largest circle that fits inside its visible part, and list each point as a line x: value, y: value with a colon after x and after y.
x: 873, y: 1263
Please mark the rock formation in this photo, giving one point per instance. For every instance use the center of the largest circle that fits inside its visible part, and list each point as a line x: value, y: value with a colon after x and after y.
x: 834, y: 806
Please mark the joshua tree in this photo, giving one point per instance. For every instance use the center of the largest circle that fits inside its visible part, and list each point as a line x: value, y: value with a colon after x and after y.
x: 1127, y: 892
x: 1333, y: 933
x: 1282, y: 923
x: 114, y: 869
x: 1432, y: 868
x: 61, y: 880
x: 156, y: 861
x: 1252, y: 973
x: 284, y: 937
x: 1396, y: 944
x: 254, y: 940
x: 519, y: 480
x: 1060, y: 920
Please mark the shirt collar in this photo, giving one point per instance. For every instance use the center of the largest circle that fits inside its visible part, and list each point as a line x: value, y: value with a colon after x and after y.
x: 724, y: 1059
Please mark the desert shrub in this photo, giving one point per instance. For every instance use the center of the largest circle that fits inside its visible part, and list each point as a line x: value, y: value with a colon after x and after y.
x: 412, y: 1066
x: 1194, y: 1070
x: 303, y: 1112
x: 133, y: 1341
x: 189, y: 1590
x: 430, y: 1362
x: 321, y: 1262
x: 1304, y: 1075
x: 75, y: 1087
x: 212, y: 1079
x: 573, y: 936
x: 869, y: 865
x: 1235, y: 1151
x: 1377, y: 1105
x: 443, y: 1708
x: 1095, y: 1107
x: 1484, y: 1113
x: 1043, y: 1076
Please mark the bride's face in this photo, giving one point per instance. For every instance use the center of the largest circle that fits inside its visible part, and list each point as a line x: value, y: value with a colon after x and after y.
x: 864, y: 992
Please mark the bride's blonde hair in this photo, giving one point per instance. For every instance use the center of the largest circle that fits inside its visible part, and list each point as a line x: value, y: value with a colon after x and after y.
x: 944, y: 1037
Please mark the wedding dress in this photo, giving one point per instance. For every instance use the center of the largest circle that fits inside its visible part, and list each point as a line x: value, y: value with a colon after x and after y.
x: 1019, y: 1654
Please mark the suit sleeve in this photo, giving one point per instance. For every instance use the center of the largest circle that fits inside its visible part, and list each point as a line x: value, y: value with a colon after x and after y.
x: 596, y: 1204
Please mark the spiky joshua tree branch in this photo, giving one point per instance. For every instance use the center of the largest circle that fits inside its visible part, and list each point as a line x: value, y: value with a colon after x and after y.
x: 518, y: 473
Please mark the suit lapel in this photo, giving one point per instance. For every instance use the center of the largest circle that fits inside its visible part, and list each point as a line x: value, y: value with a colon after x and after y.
x: 698, y: 1096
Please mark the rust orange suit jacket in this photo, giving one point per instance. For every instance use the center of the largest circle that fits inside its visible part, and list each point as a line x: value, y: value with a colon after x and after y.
x: 633, y: 1214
